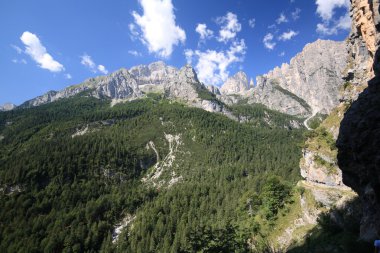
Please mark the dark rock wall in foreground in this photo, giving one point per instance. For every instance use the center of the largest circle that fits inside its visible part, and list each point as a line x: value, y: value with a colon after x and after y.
x: 359, y: 136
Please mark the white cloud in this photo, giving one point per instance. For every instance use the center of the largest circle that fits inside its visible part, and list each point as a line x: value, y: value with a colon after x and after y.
x: 35, y: 49
x: 330, y: 23
x: 68, y: 76
x: 158, y: 29
x: 23, y: 61
x: 252, y: 22
x: 134, y: 53
x: 102, y: 69
x: 18, y: 49
x: 288, y: 35
x: 204, y: 33
x: 268, y: 41
x: 281, y: 19
x: 282, y: 54
x: 212, y: 66
x: 333, y: 27
x: 230, y: 26
x: 296, y: 14
x: 325, y: 8
x: 87, y: 61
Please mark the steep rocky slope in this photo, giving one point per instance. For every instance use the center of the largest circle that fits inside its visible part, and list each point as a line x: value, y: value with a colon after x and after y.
x: 354, y: 163
x: 7, y: 107
x: 359, y: 138
x: 123, y: 85
x: 308, y: 84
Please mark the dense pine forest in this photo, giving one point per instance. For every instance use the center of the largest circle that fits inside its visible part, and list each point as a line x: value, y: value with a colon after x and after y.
x: 193, y: 181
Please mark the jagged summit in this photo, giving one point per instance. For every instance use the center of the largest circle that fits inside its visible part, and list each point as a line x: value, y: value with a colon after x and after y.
x: 236, y: 84
x: 308, y: 84
x: 7, y: 107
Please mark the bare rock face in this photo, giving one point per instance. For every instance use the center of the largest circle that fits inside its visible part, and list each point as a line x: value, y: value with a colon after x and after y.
x: 315, y: 74
x: 236, y: 84
x: 268, y: 92
x: 213, y: 89
x: 310, y: 83
x: 182, y: 85
x: 320, y: 169
x: 365, y: 17
x: 118, y: 85
x: 359, y: 135
x: 7, y: 107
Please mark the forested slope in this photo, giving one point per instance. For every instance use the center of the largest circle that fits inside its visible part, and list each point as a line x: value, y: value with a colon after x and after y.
x: 72, y: 169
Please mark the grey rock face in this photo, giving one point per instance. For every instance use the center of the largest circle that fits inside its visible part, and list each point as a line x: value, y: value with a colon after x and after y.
x: 118, y: 85
x: 315, y: 74
x: 359, y: 137
x: 157, y: 77
x: 269, y: 93
x: 308, y: 84
x: 184, y: 85
x: 236, y: 84
x: 213, y: 89
x: 7, y: 107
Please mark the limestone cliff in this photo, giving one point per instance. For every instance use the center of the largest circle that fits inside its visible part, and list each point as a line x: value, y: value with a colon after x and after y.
x: 309, y: 83
x: 7, y: 107
x: 359, y: 137
x: 176, y: 84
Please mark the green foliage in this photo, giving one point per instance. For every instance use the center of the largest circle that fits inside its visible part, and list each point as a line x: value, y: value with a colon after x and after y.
x: 315, y: 121
x: 274, y: 195
x: 75, y: 189
x: 260, y: 115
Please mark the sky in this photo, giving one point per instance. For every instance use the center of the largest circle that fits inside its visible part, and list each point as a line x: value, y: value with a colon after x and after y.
x: 49, y: 45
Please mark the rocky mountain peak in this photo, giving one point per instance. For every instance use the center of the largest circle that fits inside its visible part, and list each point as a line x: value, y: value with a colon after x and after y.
x: 7, y: 107
x: 236, y: 84
x: 187, y: 74
x: 315, y: 74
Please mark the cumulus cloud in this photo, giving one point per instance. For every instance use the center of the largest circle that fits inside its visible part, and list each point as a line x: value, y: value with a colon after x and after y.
x: 282, y: 54
x: 68, y: 76
x: 230, y: 26
x: 102, y: 69
x: 157, y: 27
x: 325, y: 8
x: 296, y: 14
x: 268, y: 41
x: 252, y: 22
x: 134, y: 53
x: 281, y: 19
x: 204, y: 33
x: 87, y: 61
x: 330, y: 23
x: 288, y: 35
x: 35, y: 49
x: 212, y: 66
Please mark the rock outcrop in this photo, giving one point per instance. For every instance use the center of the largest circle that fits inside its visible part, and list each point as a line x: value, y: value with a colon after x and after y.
x: 315, y: 74
x: 177, y: 84
x: 308, y: 84
x: 7, y: 107
x: 236, y: 84
x: 359, y: 137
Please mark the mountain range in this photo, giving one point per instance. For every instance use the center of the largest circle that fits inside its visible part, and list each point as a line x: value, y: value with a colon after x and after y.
x: 308, y: 85
x: 150, y: 159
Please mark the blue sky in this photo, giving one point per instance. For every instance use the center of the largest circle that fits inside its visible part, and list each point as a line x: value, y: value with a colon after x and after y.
x: 48, y: 45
